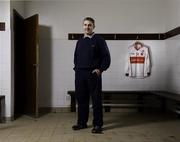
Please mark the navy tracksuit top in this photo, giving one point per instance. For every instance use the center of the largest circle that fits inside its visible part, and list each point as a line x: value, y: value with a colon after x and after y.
x: 91, y: 53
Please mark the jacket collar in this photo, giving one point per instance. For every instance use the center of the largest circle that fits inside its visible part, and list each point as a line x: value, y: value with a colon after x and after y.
x: 89, y: 36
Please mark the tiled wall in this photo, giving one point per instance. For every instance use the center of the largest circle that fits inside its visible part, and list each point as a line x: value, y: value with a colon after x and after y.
x: 173, y: 46
x: 56, y: 52
x: 5, y: 70
x: 115, y: 78
x: 57, y: 75
x: 5, y: 57
x: 173, y: 58
x: 111, y: 16
x: 172, y: 13
x: 56, y: 71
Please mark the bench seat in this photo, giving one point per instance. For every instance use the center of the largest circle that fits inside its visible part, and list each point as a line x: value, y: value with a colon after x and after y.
x: 2, y: 98
x: 131, y: 99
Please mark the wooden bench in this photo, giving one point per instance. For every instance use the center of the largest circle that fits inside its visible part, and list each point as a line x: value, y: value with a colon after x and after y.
x: 165, y: 96
x: 2, y: 99
x: 131, y: 99
x: 125, y: 99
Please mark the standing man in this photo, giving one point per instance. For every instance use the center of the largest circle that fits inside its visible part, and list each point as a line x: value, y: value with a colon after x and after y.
x: 91, y: 58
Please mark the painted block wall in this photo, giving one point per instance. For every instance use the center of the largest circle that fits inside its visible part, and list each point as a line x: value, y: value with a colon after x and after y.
x: 173, y: 46
x: 173, y: 59
x: 58, y: 18
x: 5, y: 57
x: 56, y: 51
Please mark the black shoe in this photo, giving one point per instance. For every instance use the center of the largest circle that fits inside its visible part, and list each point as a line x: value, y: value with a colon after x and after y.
x: 78, y: 127
x: 97, y: 129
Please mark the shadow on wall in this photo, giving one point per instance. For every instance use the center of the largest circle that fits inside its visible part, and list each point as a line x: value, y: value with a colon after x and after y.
x: 150, y: 56
x: 45, y: 69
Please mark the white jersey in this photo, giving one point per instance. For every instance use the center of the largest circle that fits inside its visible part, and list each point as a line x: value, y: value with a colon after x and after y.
x: 138, y: 62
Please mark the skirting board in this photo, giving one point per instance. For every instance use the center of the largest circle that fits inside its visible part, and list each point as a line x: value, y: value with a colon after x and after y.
x: 45, y: 110
x: 68, y: 109
x: 7, y: 119
x: 53, y: 109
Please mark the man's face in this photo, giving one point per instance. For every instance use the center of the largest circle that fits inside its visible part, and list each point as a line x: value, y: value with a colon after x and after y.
x: 88, y: 27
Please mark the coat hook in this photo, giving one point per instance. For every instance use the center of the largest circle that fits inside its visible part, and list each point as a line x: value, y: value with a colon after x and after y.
x: 159, y: 36
x: 72, y: 36
x: 137, y: 37
x: 115, y: 36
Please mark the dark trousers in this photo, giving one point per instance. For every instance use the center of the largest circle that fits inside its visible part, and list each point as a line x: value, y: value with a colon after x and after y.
x: 88, y: 84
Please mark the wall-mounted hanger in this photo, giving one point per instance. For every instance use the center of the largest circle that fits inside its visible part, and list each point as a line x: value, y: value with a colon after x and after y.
x: 72, y: 36
x: 137, y: 37
x: 115, y: 37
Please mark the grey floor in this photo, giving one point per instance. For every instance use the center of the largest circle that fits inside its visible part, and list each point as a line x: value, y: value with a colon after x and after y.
x: 118, y: 127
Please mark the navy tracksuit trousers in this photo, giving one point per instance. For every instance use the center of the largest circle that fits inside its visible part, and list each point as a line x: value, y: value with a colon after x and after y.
x: 88, y: 84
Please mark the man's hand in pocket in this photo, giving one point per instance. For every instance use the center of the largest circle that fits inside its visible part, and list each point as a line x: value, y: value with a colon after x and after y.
x: 97, y: 71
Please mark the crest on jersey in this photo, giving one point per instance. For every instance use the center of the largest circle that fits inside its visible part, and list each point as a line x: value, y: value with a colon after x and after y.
x: 142, y: 53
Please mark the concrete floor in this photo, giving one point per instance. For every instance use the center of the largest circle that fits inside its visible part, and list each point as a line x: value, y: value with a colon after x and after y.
x: 118, y: 127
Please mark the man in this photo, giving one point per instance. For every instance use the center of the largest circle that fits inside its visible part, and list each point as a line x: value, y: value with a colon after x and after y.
x: 91, y: 58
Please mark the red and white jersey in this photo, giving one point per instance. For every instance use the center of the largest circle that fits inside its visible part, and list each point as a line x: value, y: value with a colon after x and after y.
x: 138, y: 62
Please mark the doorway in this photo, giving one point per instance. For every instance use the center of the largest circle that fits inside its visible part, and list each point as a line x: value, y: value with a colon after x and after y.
x: 26, y: 65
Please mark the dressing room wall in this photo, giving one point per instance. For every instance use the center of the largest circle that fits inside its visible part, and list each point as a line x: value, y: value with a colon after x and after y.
x: 173, y: 46
x: 5, y: 57
x: 172, y: 14
x: 173, y: 59
x: 57, y: 19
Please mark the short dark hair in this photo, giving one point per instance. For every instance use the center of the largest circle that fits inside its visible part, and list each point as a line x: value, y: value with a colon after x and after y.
x: 89, y: 19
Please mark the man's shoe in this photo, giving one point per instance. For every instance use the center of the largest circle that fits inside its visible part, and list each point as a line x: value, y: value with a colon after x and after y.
x: 97, y: 129
x: 78, y: 127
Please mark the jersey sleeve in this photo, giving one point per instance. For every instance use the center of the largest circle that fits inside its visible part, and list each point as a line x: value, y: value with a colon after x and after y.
x: 128, y: 63
x: 147, y: 63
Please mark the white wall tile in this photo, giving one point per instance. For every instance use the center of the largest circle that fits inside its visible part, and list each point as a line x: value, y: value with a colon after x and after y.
x: 61, y: 74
